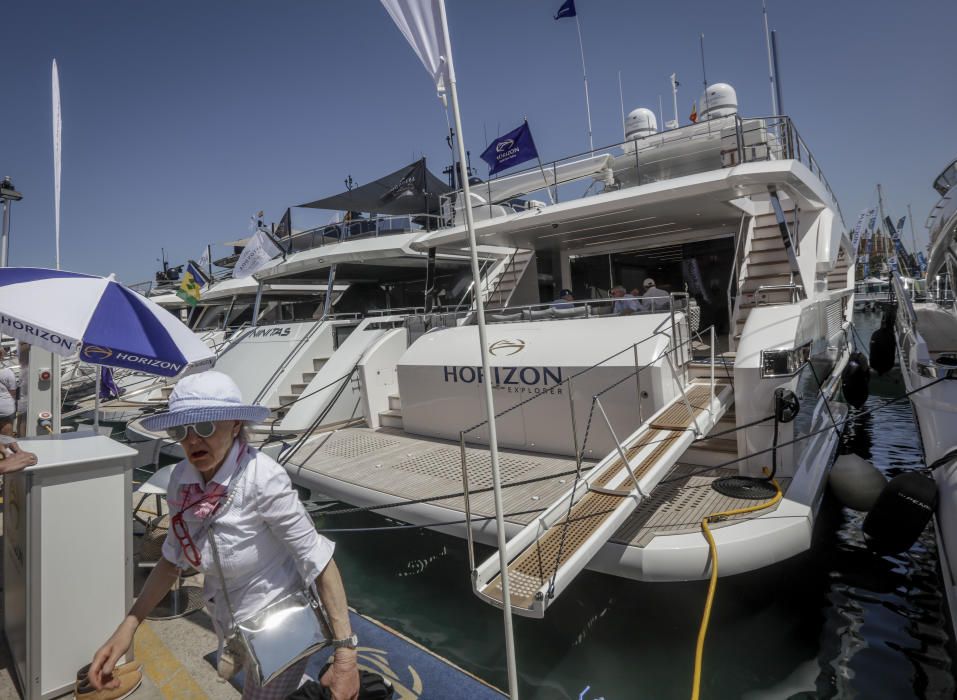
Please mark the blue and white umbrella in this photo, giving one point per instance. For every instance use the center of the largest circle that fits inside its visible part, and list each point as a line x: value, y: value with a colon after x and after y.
x: 106, y: 323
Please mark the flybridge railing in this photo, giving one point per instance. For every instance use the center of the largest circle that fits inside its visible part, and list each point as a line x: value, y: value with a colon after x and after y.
x: 714, y: 144
x: 330, y: 234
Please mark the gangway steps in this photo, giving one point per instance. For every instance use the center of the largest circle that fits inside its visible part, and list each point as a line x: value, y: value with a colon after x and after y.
x: 563, y: 540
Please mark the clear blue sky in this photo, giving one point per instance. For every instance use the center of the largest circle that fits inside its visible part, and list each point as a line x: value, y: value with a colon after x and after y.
x: 181, y: 119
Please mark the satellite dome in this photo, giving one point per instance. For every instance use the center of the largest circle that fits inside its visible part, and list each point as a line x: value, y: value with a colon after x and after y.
x: 718, y: 100
x: 640, y: 123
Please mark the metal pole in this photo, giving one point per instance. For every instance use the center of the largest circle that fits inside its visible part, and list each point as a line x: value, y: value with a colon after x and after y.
x: 591, y: 145
x: 259, y: 296
x: 777, y: 70
x: 767, y: 41
x: 621, y: 100
x: 96, y: 401
x: 5, y: 244
x: 487, y: 384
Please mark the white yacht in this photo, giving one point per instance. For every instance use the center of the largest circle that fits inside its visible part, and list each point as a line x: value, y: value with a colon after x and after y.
x: 623, y: 423
x: 926, y: 335
x: 300, y: 358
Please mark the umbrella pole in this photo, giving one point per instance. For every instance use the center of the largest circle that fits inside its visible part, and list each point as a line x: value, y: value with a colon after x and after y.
x: 96, y: 402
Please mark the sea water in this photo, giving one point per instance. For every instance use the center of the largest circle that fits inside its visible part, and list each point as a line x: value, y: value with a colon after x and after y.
x: 835, y: 622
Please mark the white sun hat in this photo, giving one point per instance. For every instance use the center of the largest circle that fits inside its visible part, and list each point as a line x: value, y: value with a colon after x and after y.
x: 207, y: 396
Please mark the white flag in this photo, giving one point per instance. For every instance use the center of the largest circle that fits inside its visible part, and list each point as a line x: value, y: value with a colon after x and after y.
x: 57, y: 128
x: 204, y: 261
x: 421, y: 25
x: 258, y: 251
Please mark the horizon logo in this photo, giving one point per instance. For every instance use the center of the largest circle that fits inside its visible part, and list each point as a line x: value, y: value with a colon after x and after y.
x: 139, y: 360
x: 40, y: 333
x: 504, y: 145
x: 506, y: 347
x: 506, y: 376
x: 95, y: 352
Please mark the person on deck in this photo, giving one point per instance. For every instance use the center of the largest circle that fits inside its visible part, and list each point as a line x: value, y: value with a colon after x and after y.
x: 267, y: 542
x: 564, y: 300
x: 654, y: 299
x: 625, y: 304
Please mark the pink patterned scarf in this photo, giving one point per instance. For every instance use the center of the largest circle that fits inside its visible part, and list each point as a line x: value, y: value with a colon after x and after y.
x: 203, y: 501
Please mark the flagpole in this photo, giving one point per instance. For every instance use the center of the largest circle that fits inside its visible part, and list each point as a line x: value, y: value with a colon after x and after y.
x: 486, y: 372
x: 581, y: 47
x: 767, y: 41
x: 674, y: 97
x: 57, y: 145
x: 209, y: 262
x: 621, y: 99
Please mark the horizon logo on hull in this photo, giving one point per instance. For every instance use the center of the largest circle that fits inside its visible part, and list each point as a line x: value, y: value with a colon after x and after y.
x: 506, y: 376
x: 506, y: 347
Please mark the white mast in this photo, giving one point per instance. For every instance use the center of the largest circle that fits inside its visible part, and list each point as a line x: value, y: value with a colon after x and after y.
x: 57, y: 128
x: 483, y: 350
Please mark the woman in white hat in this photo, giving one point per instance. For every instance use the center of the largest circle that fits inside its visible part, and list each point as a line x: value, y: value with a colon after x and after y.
x: 267, y: 544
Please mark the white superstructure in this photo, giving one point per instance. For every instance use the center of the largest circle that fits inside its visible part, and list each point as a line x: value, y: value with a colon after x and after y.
x: 926, y: 335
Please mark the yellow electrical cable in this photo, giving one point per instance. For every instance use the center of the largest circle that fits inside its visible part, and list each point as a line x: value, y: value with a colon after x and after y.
x: 712, y: 586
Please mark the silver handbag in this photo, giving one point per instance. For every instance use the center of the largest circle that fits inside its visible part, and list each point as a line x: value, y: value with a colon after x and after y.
x: 271, y: 640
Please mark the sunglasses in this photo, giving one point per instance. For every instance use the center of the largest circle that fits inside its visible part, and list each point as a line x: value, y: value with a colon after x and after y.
x: 203, y: 429
x: 181, y: 530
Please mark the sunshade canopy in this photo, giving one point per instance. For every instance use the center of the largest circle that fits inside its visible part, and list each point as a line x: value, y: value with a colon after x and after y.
x: 409, y: 190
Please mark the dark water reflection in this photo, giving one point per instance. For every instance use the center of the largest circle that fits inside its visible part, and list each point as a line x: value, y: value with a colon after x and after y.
x: 836, y: 622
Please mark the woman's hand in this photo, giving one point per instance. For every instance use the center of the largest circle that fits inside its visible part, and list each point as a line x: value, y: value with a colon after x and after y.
x: 100, y: 674
x: 342, y: 678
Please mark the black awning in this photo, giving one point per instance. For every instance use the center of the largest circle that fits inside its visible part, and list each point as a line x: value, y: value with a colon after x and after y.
x: 409, y: 190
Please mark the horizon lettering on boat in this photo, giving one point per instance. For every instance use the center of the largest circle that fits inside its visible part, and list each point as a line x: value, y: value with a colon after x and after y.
x: 506, y: 376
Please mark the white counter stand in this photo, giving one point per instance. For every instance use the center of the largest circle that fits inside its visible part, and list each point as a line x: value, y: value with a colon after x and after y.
x: 67, y: 557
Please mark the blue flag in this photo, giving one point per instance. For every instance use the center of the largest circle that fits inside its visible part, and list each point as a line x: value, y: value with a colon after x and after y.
x: 108, y: 388
x: 517, y: 146
x: 566, y: 10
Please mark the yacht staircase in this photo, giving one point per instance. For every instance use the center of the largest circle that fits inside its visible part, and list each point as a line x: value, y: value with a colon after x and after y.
x: 766, y: 274
x: 504, y: 278
x: 552, y: 549
x: 296, y: 390
x: 837, y: 277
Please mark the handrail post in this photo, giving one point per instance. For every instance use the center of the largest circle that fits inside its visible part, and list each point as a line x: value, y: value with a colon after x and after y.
x: 712, y: 364
x: 468, y: 509
x: 684, y: 395
x: 637, y: 381
x: 621, y: 451
x: 571, y: 405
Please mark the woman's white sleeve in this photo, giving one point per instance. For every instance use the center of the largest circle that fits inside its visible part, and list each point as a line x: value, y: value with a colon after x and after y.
x: 285, y: 515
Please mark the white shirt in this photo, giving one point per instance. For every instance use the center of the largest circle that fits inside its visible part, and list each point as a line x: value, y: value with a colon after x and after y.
x: 8, y: 388
x: 267, y: 543
x: 655, y: 299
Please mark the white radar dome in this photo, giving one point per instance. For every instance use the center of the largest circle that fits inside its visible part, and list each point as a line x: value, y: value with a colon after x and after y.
x: 719, y: 100
x: 640, y: 123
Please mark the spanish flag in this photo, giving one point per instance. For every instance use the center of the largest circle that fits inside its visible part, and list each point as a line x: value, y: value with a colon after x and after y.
x: 191, y: 285
x: 694, y: 113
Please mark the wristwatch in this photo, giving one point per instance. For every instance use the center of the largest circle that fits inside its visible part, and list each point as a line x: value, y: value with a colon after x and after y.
x: 347, y: 643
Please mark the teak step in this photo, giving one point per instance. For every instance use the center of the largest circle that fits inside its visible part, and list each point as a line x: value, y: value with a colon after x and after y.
x: 309, y: 376
x: 395, y: 403
x: 297, y: 389
x: 317, y: 363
